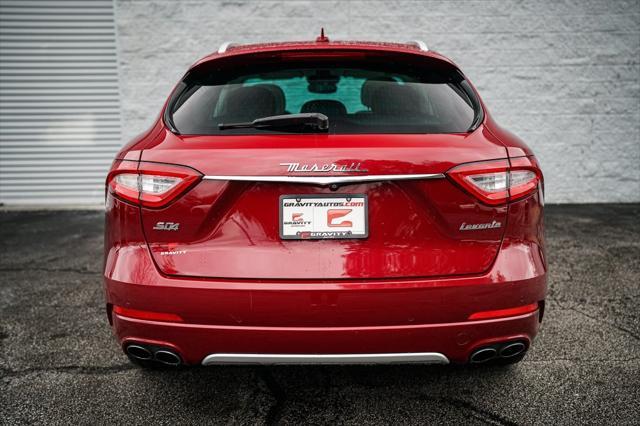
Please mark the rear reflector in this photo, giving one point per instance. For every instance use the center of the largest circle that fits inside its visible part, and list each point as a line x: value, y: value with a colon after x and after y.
x: 146, y: 315
x: 498, y: 181
x: 150, y: 184
x: 501, y: 313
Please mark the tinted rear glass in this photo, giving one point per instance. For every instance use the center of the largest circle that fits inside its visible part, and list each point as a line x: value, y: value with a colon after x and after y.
x: 355, y: 97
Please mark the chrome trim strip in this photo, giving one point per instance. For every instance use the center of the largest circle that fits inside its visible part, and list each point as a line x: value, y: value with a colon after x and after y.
x: 326, y: 180
x: 384, y: 358
x: 421, y: 44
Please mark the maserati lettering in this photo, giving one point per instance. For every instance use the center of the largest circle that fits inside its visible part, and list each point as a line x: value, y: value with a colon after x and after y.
x: 323, y: 168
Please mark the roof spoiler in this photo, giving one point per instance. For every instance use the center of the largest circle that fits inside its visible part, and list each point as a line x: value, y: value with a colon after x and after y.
x: 418, y: 43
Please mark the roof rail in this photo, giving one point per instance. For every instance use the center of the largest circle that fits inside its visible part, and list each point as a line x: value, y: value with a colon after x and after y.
x: 225, y: 46
x: 419, y: 44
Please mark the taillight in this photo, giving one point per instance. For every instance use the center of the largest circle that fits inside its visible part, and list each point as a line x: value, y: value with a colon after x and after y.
x: 525, y: 176
x: 498, y: 181
x: 150, y: 184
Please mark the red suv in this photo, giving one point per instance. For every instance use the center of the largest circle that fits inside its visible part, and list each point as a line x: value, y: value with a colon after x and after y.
x: 325, y: 202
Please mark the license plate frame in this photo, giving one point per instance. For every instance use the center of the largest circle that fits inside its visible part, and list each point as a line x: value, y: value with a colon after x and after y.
x: 315, y: 231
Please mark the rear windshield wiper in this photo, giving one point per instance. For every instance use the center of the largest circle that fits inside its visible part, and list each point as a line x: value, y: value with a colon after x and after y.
x: 312, y: 120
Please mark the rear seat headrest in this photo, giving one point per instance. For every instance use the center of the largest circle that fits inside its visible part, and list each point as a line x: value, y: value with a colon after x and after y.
x: 328, y: 107
x: 370, y: 86
x: 248, y: 103
x: 396, y: 99
x: 278, y: 94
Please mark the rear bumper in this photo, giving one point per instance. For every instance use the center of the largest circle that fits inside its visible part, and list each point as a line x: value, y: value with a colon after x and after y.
x: 455, y: 341
x: 315, y: 318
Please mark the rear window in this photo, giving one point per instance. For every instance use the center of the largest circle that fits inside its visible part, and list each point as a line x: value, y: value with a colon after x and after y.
x: 356, y: 97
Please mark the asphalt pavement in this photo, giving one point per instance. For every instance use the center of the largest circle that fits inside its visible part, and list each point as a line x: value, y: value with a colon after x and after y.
x: 59, y: 363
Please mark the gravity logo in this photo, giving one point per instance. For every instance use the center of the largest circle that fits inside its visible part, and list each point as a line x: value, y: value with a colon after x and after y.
x: 173, y: 252
x: 333, y: 215
x: 297, y: 220
x: 479, y: 226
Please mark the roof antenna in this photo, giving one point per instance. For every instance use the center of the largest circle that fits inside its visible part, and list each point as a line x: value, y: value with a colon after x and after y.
x: 322, y: 38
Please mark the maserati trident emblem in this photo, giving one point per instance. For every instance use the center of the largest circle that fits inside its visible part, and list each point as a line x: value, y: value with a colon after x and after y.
x: 324, y: 168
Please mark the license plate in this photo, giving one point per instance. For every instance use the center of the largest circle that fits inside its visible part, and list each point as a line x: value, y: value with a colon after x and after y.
x: 315, y: 217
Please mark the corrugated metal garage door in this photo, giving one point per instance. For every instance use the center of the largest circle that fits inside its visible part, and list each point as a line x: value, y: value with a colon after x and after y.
x: 59, y: 100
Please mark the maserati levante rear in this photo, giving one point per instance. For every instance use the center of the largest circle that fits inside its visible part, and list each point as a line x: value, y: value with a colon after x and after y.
x: 324, y: 202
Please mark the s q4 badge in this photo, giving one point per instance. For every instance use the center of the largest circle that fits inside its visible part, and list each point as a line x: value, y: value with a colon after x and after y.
x: 166, y: 226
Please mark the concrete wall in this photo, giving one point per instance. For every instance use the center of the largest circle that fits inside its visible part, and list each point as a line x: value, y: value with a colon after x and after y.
x: 562, y: 74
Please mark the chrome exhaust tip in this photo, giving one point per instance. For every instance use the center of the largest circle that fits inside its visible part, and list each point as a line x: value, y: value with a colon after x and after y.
x: 138, y: 352
x: 168, y: 358
x: 483, y: 355
x: 512, y: 349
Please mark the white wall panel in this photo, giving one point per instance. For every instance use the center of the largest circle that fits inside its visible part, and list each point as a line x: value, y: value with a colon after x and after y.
x: 59, y: 100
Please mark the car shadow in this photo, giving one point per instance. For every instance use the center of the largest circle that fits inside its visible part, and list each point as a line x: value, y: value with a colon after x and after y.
x: 333, y: 394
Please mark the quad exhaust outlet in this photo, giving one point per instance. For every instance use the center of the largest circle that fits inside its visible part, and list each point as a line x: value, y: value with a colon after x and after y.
x: 139, y: 352
x: 512, y: 349
x: 167, y: 358
x: 505, y: 350
x: 161, y: 355
x: 483, y: 355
